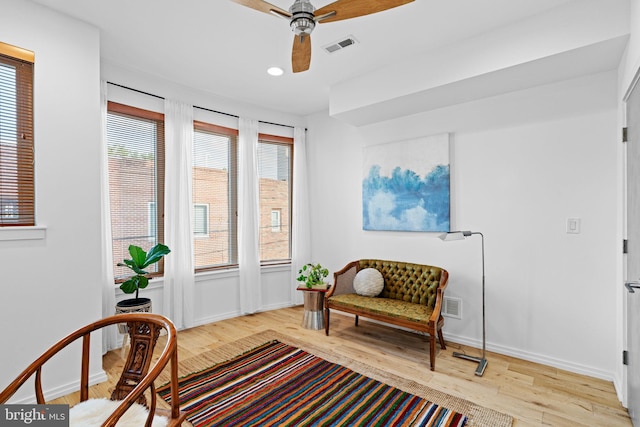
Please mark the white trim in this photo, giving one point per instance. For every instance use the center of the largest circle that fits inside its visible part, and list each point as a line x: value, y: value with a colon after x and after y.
x: 23, y: 233
x: 621, y: 382
x: 219, y: 273
x: 217, y: 318
x: 63, y: 390
x: 533, y: 357
x: 235, y: 314
x: 632, y: 85
x: 519, y: 354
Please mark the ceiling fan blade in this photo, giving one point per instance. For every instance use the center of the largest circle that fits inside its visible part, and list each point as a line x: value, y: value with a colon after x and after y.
x: 346, y: 9
x: 279, y: 14
x: 301, y: 53
x: 263, y: 6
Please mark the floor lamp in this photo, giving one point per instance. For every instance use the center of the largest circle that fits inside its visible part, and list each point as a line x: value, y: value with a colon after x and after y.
x: 482, y: 361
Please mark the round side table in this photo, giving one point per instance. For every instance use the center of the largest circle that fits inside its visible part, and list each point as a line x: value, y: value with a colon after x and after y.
x: 313, y: 317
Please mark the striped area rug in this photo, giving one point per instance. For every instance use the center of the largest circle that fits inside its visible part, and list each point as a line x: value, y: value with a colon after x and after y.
x: 276, y: 384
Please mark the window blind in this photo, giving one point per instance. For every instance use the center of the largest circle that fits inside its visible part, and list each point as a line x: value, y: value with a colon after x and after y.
x: 215, y: 186
x: 17, y: 193
x: 135, y: 144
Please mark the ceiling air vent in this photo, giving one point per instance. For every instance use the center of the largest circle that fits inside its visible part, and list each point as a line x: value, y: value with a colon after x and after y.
x: 339, y: 45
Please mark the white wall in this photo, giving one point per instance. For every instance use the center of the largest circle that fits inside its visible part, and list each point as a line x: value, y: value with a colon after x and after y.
x: 51, y: 286
x: 541, y: 156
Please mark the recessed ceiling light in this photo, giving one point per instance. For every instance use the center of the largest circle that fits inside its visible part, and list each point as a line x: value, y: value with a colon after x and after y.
x: 275, y: 71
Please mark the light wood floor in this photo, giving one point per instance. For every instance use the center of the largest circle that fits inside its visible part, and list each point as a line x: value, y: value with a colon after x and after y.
x: 535, y: 395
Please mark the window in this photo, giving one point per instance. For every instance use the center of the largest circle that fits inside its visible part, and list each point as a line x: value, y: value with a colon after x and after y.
x: 135, y: 140
x: 17, y: 194
x: 201, y: 220
x: 214, y: 188
x: 274, y: 170
x: 275, y: 221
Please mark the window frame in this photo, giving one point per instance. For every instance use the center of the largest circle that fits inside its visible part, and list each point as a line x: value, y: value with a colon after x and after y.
x: 286, y: 141
x: 232, y: 134
x: 158, y: 118
x: 152, y: 220
x: 24, y: 203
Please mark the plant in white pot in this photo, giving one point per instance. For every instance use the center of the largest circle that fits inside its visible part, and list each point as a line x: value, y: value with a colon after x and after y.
x: 312, y: 275
x: 139, y: 261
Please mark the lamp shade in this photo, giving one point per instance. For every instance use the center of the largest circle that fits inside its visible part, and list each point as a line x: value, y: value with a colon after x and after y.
x: 454, y: 235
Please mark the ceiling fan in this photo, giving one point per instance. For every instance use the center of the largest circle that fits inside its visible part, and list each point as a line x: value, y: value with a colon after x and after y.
x: 303, y: 17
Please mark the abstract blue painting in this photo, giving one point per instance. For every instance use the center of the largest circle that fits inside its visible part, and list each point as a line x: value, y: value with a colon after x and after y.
x: 406, y: 185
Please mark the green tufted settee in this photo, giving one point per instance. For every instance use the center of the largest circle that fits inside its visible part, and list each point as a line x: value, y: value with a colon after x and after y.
x: 412, y: 297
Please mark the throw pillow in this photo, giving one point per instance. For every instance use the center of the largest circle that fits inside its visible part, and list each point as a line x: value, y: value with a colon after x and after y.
x: 368, y: 282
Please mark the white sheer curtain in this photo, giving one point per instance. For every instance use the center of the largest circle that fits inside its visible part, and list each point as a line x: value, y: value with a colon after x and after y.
x: 248, y: 217
x: 300, y: 226
x: 109, y: 335
x: 179, y: 265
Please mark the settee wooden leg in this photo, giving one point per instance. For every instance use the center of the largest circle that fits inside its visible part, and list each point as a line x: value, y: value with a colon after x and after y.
x: 441, y: 339
x: 326, y: 321
x: 356, y: 320
x: 432, y: 352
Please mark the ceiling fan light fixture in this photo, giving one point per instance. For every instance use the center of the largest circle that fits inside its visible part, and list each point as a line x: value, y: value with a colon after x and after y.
x: 302, y: 17
x: 302, y: 23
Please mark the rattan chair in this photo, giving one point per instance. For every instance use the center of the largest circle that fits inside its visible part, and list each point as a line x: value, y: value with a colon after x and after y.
x: 139, y: 370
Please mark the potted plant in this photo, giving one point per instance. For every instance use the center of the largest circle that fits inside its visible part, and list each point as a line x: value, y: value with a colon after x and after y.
x: 138, y: 262
x: 312, y: 275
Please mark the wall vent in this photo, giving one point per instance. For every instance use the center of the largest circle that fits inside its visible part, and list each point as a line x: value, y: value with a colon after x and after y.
x: 452, y: 307
x: 339, y: 45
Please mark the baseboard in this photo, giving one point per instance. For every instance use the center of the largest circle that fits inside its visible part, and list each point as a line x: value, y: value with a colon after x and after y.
x: 534, y: 357
x: 232, y: 314
x: 277, y: 306
x: 216, y: 318
x: 531, y: 357
x: 63, y: 390
x: 621, y: 391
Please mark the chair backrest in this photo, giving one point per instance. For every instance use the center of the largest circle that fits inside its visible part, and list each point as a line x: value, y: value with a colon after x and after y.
x: 139, y: 370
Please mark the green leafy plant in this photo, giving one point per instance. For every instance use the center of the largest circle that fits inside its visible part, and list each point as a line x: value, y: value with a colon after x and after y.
x: 312, y: 274
x: 138, y: 262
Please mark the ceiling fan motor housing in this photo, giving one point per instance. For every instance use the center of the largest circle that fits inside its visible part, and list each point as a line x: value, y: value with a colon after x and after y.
x: 302, y: 17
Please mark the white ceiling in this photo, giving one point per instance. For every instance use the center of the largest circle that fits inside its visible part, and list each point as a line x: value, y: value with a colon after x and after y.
x: 224, y: 48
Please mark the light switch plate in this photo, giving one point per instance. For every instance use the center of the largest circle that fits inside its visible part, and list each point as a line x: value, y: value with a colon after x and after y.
x: 573, y: 225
